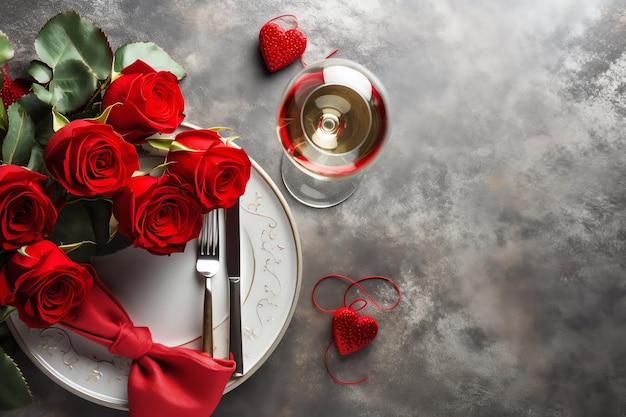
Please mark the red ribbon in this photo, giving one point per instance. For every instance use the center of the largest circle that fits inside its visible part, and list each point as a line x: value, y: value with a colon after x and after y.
x: 163, y: 381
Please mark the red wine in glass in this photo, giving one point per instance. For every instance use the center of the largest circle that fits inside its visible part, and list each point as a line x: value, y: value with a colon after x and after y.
x: 332, y: 124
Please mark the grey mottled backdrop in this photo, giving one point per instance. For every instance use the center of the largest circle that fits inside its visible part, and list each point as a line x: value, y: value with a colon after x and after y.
x: 499, y: 206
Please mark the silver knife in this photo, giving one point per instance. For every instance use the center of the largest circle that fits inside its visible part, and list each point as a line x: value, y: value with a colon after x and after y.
x: 233, y: 266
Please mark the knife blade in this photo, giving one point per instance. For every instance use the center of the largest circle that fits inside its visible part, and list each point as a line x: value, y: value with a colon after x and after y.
x: 233, y: 267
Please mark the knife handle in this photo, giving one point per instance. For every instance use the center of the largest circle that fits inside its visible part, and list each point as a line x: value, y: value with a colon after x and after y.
x: 236, y: 347
x: 207, y: 323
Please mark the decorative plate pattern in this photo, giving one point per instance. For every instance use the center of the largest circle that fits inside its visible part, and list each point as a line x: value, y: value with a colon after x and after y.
x: 166, y: 294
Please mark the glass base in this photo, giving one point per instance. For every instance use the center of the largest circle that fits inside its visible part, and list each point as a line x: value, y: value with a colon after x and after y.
x: 314, y: 192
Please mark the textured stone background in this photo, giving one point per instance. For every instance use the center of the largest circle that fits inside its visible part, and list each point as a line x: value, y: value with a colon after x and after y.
x: 499, y: 206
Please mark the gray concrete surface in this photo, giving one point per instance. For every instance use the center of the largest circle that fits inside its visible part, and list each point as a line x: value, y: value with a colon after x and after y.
x: 499, y: 206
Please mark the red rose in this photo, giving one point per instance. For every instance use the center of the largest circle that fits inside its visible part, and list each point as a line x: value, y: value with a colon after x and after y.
x: 44, y: 285
x: 156, y: 215
x: 218, y: 172
x: 26, y: 212
x: 146, y: 102
x: 89, y: 158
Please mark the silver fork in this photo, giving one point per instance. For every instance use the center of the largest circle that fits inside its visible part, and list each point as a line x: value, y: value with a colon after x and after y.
x: 208, y: 264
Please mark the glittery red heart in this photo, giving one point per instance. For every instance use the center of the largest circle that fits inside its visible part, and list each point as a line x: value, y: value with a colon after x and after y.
x: 12, y: 90
x: 279, y: 47
x: 351, y: 331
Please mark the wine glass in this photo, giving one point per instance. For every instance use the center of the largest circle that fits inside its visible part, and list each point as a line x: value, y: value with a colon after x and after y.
x: 332, y: 124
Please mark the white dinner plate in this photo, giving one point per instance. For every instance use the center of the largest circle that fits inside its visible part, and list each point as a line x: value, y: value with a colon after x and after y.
x: 166, y: 294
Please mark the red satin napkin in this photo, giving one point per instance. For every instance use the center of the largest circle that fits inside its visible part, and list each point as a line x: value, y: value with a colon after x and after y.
x: 163, y: 381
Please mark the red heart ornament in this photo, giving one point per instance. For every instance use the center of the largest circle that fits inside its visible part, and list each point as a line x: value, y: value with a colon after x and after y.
x: 12, y: 90
x: 279, y: 47
x: 351, y: 331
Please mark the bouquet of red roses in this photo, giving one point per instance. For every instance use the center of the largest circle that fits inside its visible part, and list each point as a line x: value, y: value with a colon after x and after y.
x: 71, y: 179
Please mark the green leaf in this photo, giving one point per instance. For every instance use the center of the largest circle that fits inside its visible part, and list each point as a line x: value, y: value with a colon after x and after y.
x: 105, y: 227
x: 179, y: 147
x: 14, y: 391
x: 20, y: 137
x: 4, y: 123
x: 102, y: 118
x: 43, y: 94
x: 36, y: 161
x: 100, y: 214
x: 74, y: 225
x: 220, y: 128
x: 41, y: 72
x: 41, y: 114
x: 5, y: 311
x: 229, y: 139
x: 162, y: 144
x: 7, y: 341
x: 117, y: 242
x: 70, y: 247
x: 6, y: 50
x: 72, y: 85
x: 149, y: 53
x: 68, y: 36
x: 58, y: 120
x: 158, y: 169
x: 36, y: 108
x: 44, y: 131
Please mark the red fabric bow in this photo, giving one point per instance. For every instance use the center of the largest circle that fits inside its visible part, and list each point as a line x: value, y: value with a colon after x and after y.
x: 163, y: 381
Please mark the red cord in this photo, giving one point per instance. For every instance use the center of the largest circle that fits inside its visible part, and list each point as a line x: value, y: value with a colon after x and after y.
x: 356, y: 283
x: 363, y: 302
x: 337, y: 380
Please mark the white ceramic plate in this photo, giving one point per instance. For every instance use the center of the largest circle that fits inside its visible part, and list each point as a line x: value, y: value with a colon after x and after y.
x: 166, y: 294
